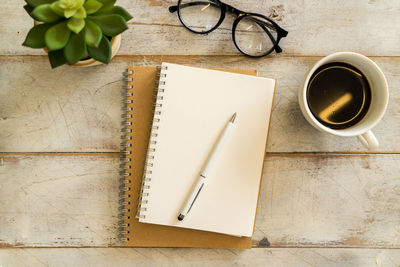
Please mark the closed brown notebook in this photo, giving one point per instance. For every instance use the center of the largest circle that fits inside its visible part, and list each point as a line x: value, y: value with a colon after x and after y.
x: 138, y: 117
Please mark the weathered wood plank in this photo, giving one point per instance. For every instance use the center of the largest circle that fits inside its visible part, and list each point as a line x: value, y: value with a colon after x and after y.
x: 299, y: 257
x: 306, y: 200
x: 341, y: 201
x: 315, y: 28
x: 59, y: 200
x: 74, y: 109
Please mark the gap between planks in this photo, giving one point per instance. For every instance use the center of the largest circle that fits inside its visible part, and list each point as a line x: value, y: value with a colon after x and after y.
x: 166, y: 57
x: 268, y: 154
x: 254, y: 246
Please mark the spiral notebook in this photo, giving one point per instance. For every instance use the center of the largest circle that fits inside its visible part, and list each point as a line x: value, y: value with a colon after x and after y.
x: 191, y: 105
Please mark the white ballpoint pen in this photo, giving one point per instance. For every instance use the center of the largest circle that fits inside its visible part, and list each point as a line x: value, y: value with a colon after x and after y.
x: 203, y: 174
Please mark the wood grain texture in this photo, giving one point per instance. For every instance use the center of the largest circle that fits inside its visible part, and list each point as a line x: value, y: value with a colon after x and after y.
x: 59, y: 200
x: 299, y: 257
x: 311, y: 200
x: 315, y: 28
x: 52, y: 113
x: 342, y: 200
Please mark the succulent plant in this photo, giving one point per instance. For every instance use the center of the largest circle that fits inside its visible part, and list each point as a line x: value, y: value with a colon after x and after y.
x: 72, y: 30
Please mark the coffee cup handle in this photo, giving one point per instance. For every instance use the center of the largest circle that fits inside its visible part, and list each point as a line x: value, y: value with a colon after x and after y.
x: 369, y: 140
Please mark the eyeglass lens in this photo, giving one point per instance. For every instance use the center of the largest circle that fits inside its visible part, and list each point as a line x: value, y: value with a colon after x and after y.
x: 252, y: 38
x: 200, y: 16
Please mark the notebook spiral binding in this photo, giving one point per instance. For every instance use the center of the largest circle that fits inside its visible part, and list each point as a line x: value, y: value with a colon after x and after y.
x: 126, y: 164
x: 152, y: 146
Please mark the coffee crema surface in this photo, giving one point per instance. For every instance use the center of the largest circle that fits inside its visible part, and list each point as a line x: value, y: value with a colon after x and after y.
x: 338, y: 95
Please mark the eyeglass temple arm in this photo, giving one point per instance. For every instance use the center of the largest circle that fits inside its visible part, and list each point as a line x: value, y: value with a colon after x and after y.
x: 277, y: 48
x: 274, y: 26
x: 264, y: 25
x: 239, y: 12
x: 281, y: 32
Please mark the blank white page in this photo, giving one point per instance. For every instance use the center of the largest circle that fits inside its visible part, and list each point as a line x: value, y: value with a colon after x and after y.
x: 196, y: 106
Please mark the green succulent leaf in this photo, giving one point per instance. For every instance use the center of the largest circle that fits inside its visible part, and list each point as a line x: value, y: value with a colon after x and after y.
x: 75, y: 4
x: 69, y: 12
x: 111, y: 25
x: 101, y: 53
x: 75, y: 48
x: 80, y: 13
x: 44, y: 13
x: 92, y: 6
x: 57, y: 36
x: 93, y: 34
x: 107, y: 2
x: 76, y: 25
x: 71, y: 7
x: 55, y: 6
x: 28, y: 9
x: 116, y: 10
x: 57, y: 58
x: 36, y: 3
x: 35, y: 37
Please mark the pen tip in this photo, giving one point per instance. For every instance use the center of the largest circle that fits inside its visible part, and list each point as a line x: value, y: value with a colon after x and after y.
x: 233, y: 117
x: 180, y: 217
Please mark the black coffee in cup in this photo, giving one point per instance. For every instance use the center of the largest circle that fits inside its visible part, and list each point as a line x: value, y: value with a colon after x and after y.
x: 338, y: 95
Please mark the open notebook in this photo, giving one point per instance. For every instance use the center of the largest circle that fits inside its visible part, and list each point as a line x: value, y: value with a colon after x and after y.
x: 192, y: 107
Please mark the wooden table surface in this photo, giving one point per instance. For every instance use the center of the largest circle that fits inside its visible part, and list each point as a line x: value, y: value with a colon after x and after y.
x: 325, y: 200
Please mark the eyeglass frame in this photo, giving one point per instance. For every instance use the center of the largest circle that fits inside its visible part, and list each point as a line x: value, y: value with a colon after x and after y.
x: 240, y: 15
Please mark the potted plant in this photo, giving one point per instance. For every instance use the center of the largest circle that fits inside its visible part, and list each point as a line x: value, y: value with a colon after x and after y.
x: 76, y: 32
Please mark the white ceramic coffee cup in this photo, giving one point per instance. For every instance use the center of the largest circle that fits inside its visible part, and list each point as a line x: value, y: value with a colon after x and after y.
x: 379, y: 98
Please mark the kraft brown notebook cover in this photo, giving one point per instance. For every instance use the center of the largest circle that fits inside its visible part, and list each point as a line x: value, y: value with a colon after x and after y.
x: 140, y: 94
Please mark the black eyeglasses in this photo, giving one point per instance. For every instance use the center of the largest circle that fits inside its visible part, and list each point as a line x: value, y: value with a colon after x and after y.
x: 254, y: 35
